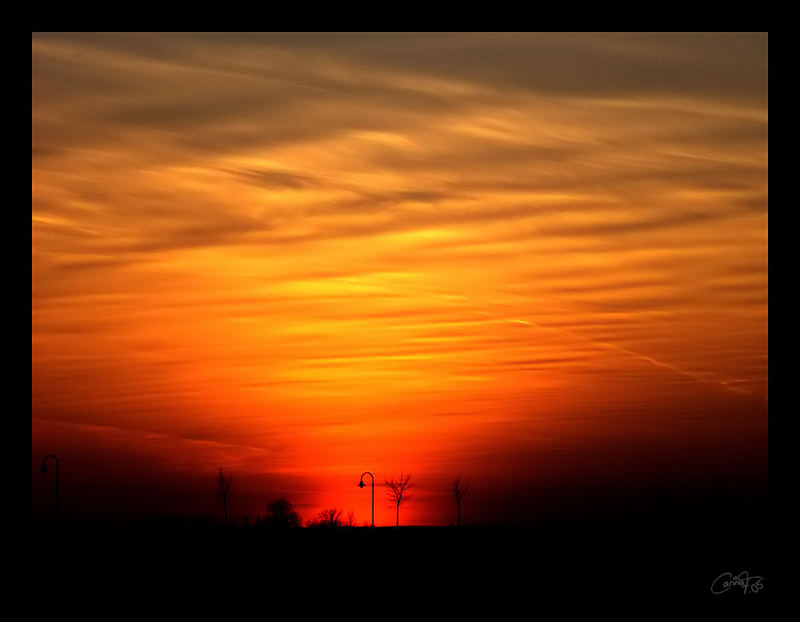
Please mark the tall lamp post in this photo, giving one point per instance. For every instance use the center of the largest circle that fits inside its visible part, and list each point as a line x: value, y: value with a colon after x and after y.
x: 44, y: 471
x: 361, y: 485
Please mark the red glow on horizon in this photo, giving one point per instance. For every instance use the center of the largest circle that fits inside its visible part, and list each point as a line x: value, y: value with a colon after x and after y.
x: 301, y: 258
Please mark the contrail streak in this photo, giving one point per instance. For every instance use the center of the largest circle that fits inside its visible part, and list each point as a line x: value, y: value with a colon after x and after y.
x: 692, y: 376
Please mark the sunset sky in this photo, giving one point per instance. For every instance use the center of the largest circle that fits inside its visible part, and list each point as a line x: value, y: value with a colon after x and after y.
x: 534, y: 261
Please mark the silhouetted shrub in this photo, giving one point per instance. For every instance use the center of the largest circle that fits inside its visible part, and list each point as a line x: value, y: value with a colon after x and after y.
x: 327, y: 518
x: 281, y: 515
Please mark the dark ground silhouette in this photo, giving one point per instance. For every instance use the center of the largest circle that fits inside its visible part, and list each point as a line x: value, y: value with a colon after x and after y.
x: 665, y: 550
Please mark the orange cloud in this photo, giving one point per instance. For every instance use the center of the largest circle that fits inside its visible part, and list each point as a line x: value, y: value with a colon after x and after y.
x: 389, y: 252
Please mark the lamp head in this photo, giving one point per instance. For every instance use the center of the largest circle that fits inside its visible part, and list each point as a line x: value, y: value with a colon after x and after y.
x: 360, y: 484
x: 44, y: 468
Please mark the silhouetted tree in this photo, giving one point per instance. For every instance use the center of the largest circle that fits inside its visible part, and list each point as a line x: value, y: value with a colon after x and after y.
x: 398, y: 493
x: 327, y: 518
x: 224, y: 489
x: 459, y: 490
x: 44, y: 471
x: 281, y: 514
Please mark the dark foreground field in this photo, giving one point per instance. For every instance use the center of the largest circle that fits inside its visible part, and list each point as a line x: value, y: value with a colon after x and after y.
x: 655, y: 561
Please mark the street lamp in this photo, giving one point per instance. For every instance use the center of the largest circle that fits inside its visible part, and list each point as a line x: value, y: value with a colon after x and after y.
x: 361, y: 485
x: 44, y: 471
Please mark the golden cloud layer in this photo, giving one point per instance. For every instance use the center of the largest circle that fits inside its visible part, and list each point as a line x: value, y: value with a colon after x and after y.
x: 323, y: 244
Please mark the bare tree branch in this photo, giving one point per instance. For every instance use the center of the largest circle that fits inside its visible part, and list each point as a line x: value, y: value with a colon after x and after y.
x: 458, y: 491
x: 224, y: 488
x: 398, y: 493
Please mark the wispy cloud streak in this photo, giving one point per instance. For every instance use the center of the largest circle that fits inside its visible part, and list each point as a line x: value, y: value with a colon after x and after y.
x: 327, y: 239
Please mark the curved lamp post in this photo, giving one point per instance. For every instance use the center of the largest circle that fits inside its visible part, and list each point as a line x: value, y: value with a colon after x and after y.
x: 361, y: 485
x: 44, y: 471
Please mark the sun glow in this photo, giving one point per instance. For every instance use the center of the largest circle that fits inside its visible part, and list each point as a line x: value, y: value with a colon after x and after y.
x: 306, y: 265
